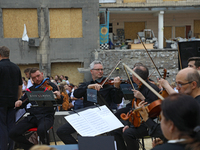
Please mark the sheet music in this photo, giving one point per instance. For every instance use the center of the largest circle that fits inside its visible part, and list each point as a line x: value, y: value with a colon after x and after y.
x: 19, y: 114
x: 94, y: 121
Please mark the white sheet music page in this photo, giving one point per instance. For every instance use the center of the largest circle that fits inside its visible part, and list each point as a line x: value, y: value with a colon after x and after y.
x: 109, y: 117
x: 94, y: 121
x: 80, y: 125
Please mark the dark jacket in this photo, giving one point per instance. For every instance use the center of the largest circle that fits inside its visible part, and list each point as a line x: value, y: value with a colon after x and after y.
x: 40, y: 112
x: 108, y: 92
x: 10, y: 80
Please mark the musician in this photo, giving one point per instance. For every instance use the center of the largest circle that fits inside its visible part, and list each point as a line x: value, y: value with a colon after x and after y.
x: 40, y: 117
x: 154, y: 128
x: 180, y: 123
x: 187, y: 82
x: 108, y: 95
x: 194, y: 62
x: 10, y: 91
x: 129, y: 133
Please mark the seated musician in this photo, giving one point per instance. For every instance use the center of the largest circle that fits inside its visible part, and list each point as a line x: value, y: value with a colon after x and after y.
x: 129, y: 133
x: 40, y: 117
x: 187, y: 82
x: 108, y: 95
x: 180, y: 123
x: 154, y: 128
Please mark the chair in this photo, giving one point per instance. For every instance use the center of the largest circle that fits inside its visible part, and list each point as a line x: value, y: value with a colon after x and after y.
x: 35, y: 130
x: 141, y: 143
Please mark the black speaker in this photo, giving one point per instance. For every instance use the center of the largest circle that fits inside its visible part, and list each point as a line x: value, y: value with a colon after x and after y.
x: 186, y: 50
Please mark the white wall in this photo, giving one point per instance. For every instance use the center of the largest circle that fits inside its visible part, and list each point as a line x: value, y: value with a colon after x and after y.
x: 170, y: 19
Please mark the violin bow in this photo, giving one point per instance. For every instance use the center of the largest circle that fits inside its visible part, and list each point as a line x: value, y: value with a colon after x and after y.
x: 111, y: 72
x: 179, y: 56
x: 129, y: 78
x: 144, y: 82
x: 149, y: 56
x: 152, y: 73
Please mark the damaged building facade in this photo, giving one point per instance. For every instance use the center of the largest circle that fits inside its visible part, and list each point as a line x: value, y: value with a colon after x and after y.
x: 64, y: 36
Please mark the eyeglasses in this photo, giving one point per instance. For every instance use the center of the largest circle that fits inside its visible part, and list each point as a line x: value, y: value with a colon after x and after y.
x: 181, y: 84
x: 98, y: 69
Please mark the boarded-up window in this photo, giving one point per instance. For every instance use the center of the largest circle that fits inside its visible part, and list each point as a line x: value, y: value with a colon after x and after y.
x: 180, y: 32
x: 196, y: 28
x: 132, y: 28
x: 167, y: 34
x: 23, y: 67
x: 132, y: 1
x: 65, y: 23
x: 69, y: 69
x: 14, y: 20
x: 173, y: 0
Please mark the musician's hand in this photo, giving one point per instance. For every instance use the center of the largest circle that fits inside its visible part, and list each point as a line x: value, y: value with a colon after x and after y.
x: 164, y: 83
x: 117, y: 82
x: 143, y: 112
x: 18, y: 103
x: 57, y: 93
x: 157, y: 141
x: 95, y: 86
x: 138, y: 94
x: 126, y: 127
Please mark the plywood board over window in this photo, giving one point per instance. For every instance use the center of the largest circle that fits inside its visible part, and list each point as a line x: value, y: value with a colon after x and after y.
x: 69, y: 69
x: 196, y: 28
x: 132, y: 1
x: 65, y: 23
x: 167, y: 34
x: 23, y: 67
x: 132, y: 28
x: 14, y: 20
x: 173, y: 0
x: 180, y: 32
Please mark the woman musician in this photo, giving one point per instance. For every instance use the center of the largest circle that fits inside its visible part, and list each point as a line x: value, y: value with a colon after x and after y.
x: 180, y: 123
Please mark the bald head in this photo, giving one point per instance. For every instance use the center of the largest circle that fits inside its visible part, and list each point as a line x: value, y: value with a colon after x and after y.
x: 189, y: 75
x: 142, y: 71
x: 188, y: 81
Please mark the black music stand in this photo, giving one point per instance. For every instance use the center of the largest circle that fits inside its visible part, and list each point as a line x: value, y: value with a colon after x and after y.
x: 127, y: 91
x: 42, y: 99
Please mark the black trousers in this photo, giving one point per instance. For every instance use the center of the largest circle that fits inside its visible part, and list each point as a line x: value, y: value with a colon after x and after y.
x: 128, y: 140
x: 64, y: 133
x: 7, y: 121
x: 43, y: 125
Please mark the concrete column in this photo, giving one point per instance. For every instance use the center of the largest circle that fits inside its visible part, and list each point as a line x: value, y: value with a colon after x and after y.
x: 160, y: 29
x: 43, y: 50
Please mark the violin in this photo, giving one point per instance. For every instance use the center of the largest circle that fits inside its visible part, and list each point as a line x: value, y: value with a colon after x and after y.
x: 153, y: 108
x: 46, y: 86
x: 132, y: 116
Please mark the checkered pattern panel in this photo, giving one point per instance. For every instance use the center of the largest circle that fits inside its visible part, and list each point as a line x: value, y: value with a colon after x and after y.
x: 104, y: 46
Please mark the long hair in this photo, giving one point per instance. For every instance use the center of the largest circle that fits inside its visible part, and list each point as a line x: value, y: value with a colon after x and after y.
x: 62, y: 89
x: 184, y: 112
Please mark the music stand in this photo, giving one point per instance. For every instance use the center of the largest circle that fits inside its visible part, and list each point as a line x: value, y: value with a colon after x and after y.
x: 127, y: 91
x: 42, y: 99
